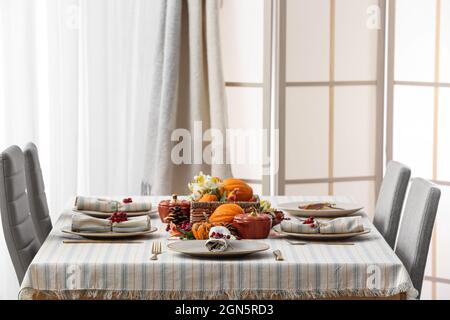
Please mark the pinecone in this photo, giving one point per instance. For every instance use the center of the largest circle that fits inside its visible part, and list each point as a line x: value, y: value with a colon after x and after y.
x: 176, y: 216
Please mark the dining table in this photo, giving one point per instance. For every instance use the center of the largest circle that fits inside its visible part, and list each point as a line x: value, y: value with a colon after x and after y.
x: 366, y: 269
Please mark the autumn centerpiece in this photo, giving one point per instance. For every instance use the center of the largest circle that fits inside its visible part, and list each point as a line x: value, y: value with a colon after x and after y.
x: 215, y: 203
x: 209, y: 192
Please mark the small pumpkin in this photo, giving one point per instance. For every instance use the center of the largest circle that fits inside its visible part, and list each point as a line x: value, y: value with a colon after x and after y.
x: 200, y: 230
x: 225, y: 213
x: 208, y: 198
x: 242, y: 191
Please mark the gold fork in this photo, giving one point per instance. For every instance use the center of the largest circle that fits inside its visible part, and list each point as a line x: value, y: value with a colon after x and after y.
x: 156, y: 249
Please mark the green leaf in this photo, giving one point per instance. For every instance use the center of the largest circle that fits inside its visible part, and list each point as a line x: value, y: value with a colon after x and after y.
x: 223, y: 198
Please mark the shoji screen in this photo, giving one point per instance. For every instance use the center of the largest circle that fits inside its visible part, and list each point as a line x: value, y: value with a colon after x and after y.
x: 331, y: 105
x: 418, y: 117
x: 244, y: 36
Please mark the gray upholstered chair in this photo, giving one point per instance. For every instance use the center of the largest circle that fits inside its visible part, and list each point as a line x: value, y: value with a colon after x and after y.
x: 37, y: 198
x: 18, y: 228
x: 390, y: 200
x: 416, y: 228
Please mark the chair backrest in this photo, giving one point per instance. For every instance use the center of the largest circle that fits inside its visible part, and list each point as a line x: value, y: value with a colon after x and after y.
x: 37, y: 198
x: 18, y: 229
x: 390, y: 200
x: 416, y: 228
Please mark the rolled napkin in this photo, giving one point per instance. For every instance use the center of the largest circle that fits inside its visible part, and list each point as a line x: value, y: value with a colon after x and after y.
x: 218, y: 239
x: 108, y: 205
x: 299, y: 226
x: 85, y: 223
x: 310, y: 225
x: 216, y: 245
x: 342, y: 225
x: 135, y: 224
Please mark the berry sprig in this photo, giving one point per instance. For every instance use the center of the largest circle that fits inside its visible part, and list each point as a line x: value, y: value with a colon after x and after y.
x: 219, y: 235
x: 127, y: 200
x: 310, y: 221
x: 185, y: 226
x: 119, y: 217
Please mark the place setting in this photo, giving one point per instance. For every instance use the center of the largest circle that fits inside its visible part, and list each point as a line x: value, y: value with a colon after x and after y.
x: 104, y: 219
x: 321, y: 222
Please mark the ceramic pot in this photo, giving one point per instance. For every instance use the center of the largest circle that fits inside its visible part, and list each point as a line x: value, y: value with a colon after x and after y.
x: 253, y: 225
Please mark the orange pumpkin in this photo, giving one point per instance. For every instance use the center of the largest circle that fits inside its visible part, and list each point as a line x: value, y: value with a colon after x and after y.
x: 242, y: 191
x: 208, y: 198
x: 200, y: 230
x: 225, y: 213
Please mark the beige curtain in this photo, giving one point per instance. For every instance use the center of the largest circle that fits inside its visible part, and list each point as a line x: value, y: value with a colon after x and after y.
x: 187, y: 87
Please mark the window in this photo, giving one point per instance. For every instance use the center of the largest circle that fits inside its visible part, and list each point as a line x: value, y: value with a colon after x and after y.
x: 315, y: 70
x: 418, y: 112
x: 312, y: 70
x: 331, y: 105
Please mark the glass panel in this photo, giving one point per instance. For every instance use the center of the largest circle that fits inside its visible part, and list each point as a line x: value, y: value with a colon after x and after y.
x: 312, y: 189
x: 257, y: 188
x: 355, y: 131
x: 245, y: 117
x: 357, y: 25
x: 413, y: 128
x: 307, y: 40
x: 362, y: 192
x: 241, y: 28
x: 442, y: 234
x: 307, y: 133
x: 443, y: 167
x: 443, y: 291
x: 426, y: 290
x: 414, y: 40
x: 445, y: 42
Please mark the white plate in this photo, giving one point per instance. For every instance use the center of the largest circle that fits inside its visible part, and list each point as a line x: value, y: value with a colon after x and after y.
x: 236, y: 248
x: 98, y: 214
x: 344, y: 209
x: 110, y: 235
x: 321, y: 236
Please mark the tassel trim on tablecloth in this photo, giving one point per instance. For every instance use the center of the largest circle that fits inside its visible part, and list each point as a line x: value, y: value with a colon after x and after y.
x: 33, y: 294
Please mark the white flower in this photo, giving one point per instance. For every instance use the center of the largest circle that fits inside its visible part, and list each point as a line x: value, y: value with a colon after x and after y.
x: 196, y: 195
x: 202, y: 184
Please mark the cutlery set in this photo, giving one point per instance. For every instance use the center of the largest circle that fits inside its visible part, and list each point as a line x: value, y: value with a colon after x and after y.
x: 156, y: 249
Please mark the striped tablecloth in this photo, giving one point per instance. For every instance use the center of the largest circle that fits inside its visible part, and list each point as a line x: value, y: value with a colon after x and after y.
x: 367, y: 269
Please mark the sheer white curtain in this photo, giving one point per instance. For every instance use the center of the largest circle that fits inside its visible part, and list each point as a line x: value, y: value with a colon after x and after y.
x: 75, y: 79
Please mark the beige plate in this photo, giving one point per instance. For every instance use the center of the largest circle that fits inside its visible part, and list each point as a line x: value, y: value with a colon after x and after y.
x: 110, y: 235
x: 98, y: 214
x: 344, y: 209
x: 320, y: 236
x: 236, y: 248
